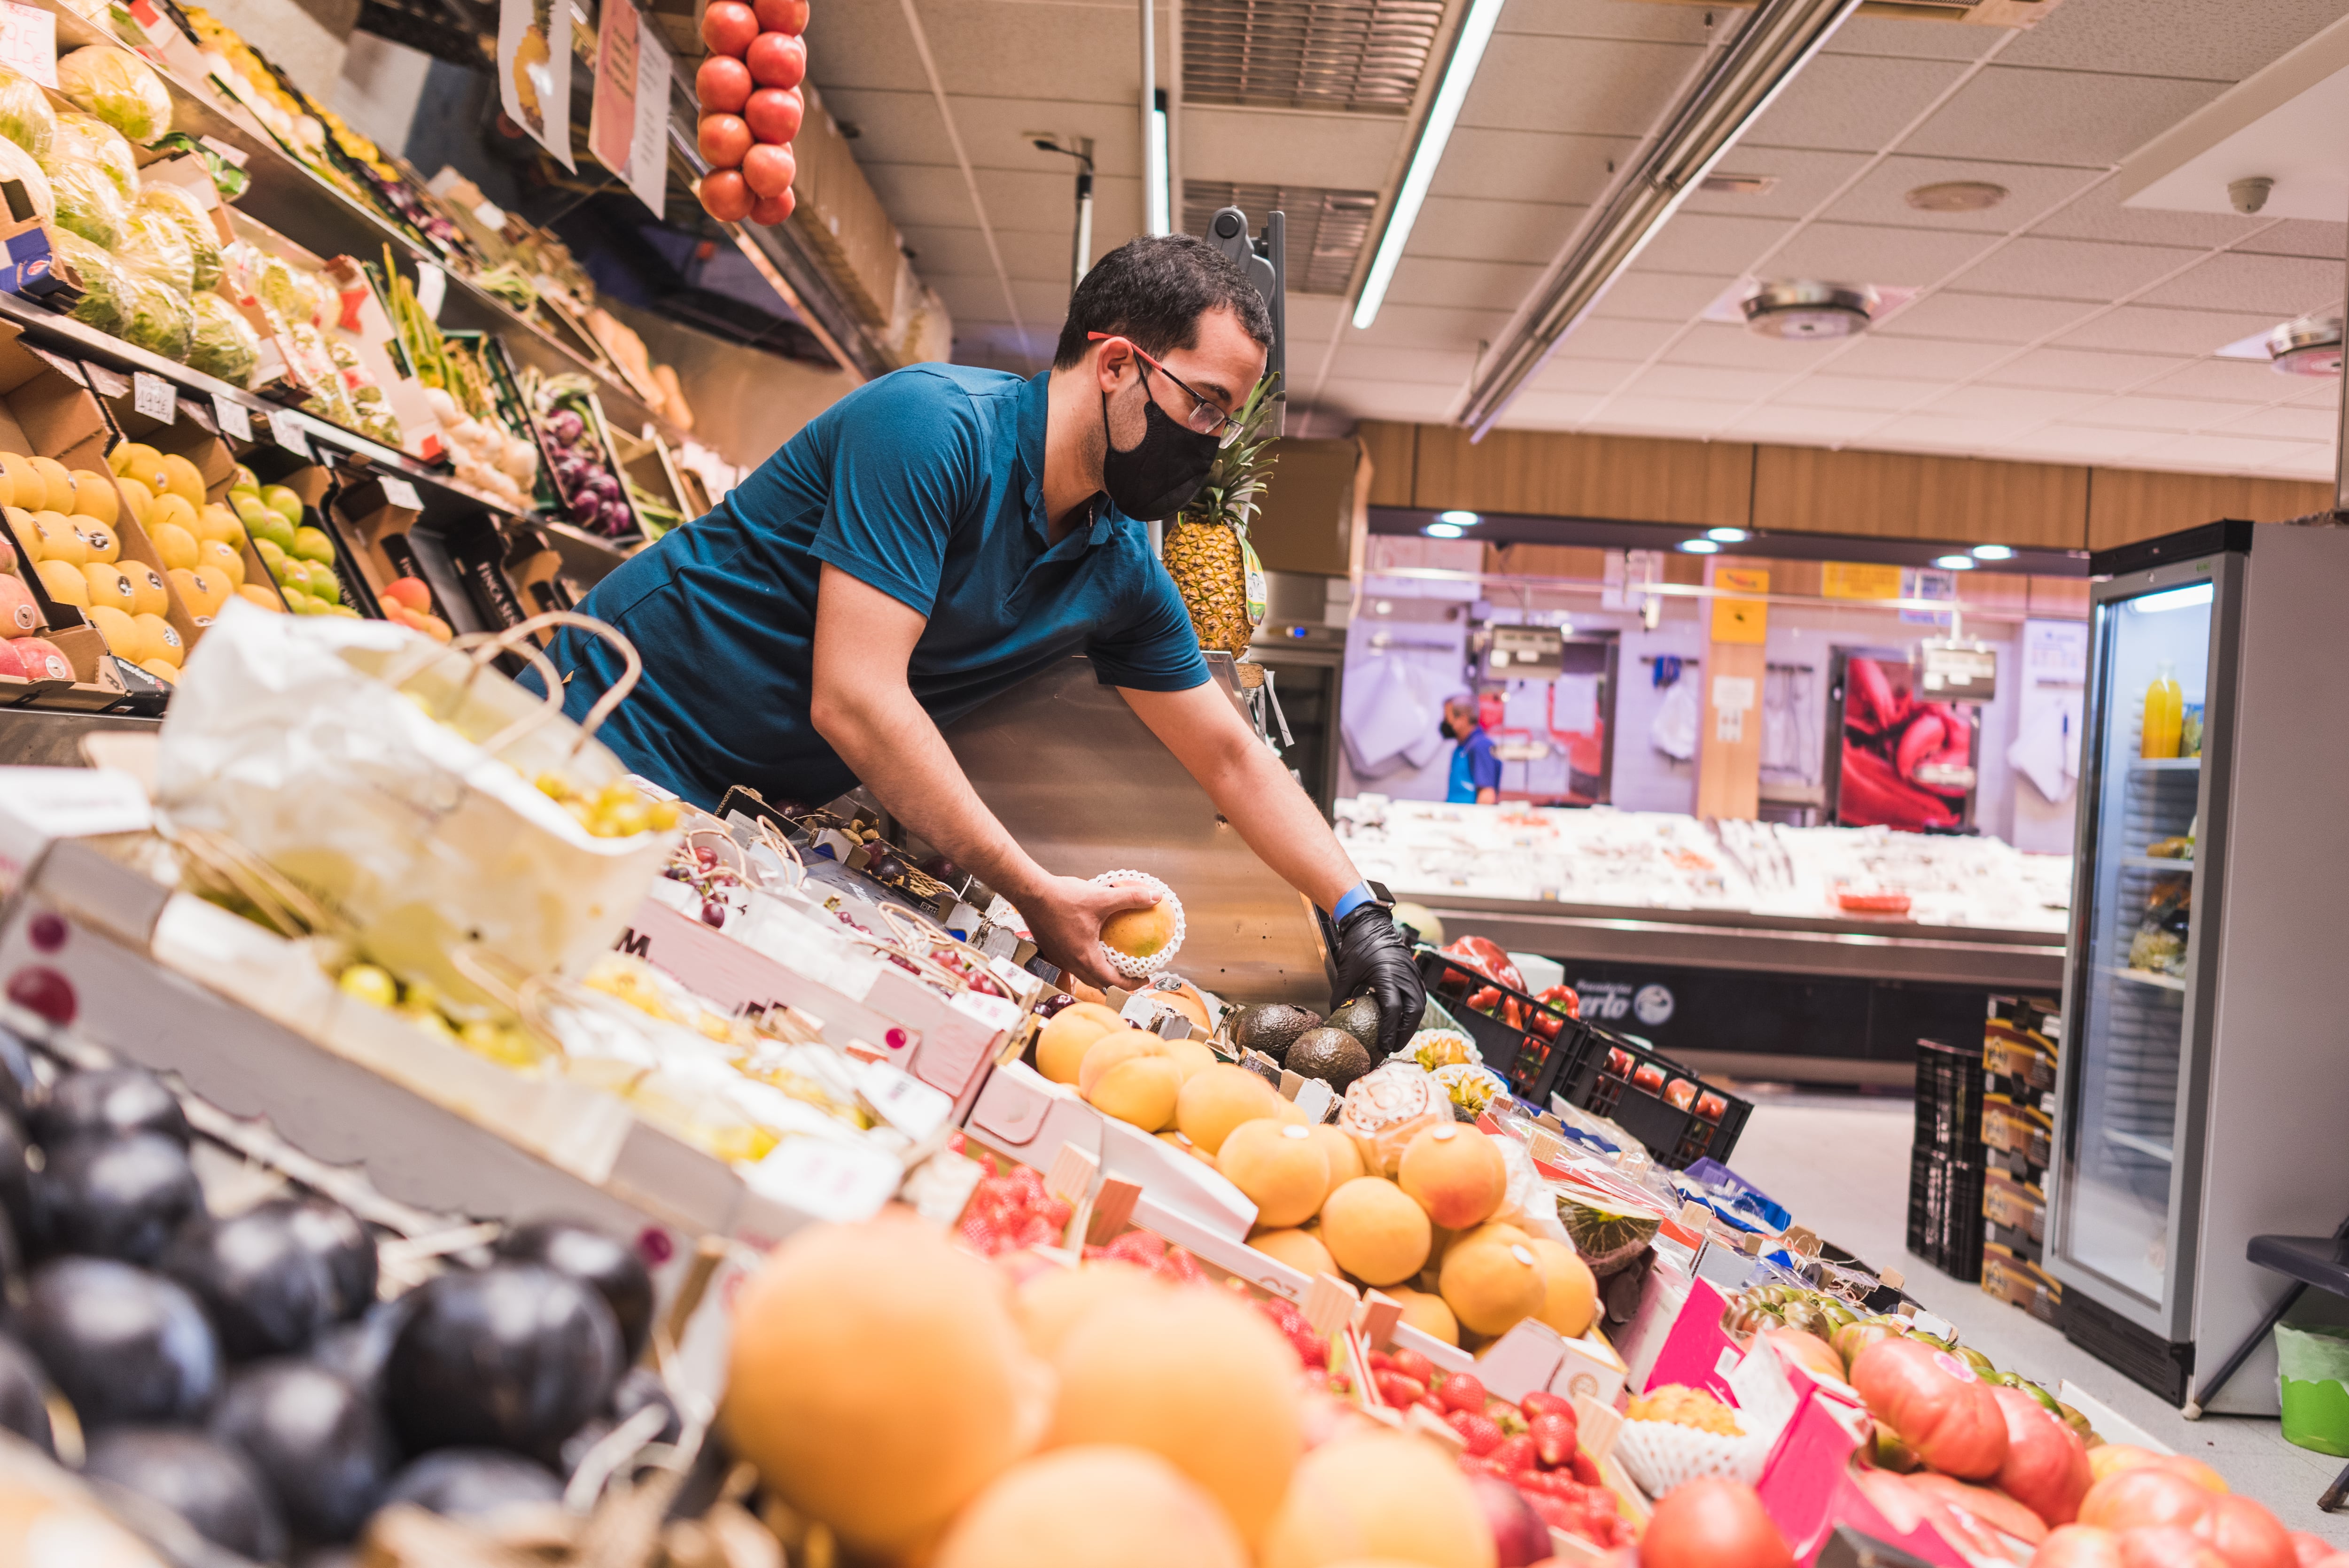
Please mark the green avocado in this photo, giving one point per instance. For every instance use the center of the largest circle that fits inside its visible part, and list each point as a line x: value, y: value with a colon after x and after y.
x: 1272, y: 1028
x: 1360, y: 1018
x: 1331, y: 1055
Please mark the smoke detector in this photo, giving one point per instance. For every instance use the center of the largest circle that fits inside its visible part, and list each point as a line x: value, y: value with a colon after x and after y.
x: 2309, y: 346
x: 1958, y: 196
x: 1808, y: 310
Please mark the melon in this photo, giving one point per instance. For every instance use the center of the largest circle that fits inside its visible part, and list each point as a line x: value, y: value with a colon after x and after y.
x: 1215, y: 1100
x: 1375, y: 1230
x: 845, y: 1330
x: 1456, y: 1173
x: 1492, y: 1288
x: 1571, y: 1295
x: 1426, y: 1312
x: 1102, y: 1506
x: 1054, y: 1301
x: 1196, y: 1377
x: 1378, y: 1494
x: 1140, y: 933
x: 1345, y: 1154
x: 1061, y: 1044
x: 1300, y: 1250
x: 1132, y: 1076
x: 1607, y: 1240
x: 1279, y: 1167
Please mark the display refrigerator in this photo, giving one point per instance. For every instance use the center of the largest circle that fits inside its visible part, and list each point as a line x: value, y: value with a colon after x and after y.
x: 2203, y: 1097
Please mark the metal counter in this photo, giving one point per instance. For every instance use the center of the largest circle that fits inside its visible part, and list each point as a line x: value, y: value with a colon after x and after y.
x: 1085, y: 788
x: 49, y: 737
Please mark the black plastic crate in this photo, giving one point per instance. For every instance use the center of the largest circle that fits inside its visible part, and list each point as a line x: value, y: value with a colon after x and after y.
x: 1534, y: 1062
x: 1949, y: 1085
x: 1945, y: 1213
x: 1635, y: 1086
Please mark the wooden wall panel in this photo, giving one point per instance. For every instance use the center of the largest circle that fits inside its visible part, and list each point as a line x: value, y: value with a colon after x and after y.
x: 1306, y: 520
x: 1393, y: 449
x: 1906, y: 495
x: 2125, y: 504
x: 1621, y: 478
x: 1588, y: 565
x: 2059, y: 598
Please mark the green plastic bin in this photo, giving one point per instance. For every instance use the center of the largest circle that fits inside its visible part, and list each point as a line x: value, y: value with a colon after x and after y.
x: 2313, y: 1379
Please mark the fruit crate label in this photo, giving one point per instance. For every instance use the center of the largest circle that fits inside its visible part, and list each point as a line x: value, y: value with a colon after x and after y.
x: 29, y: 43
x: 1315, y: 1099
x: 905, y: 1103
x: 399, y: 492
x: 285, y: 429
x: 839, y: 1183
x: 154, y: 397
x: 235, y: 419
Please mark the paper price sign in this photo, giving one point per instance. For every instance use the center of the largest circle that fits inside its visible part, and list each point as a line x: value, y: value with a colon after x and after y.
x: 154, y: 397
x: 29, y: 43
x: 285, y: 429
x: 399, y: 492
x: 235, y: 419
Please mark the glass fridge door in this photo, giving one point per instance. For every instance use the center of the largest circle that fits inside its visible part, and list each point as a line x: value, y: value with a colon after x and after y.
x: 2134, y: 971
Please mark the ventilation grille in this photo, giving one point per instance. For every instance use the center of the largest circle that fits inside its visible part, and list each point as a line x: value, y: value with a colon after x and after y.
x: 1364, y: 56
x: 1327, y: 229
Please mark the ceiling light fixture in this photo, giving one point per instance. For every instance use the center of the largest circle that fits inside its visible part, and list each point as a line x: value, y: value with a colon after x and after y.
x: 1442, y: 530
x: 1459, y: 518
x: 2308, y: 346
x: 1810, y: 310
x: 1776, y: 42
x: 1954, y: 562
x: 1738, y: 184
x: 1993, y: 552
x: 1443, y: 113
x: 1958, y: 196
x: 1160, y: 176
x: 1727, y: 535
x: 1700, y: 547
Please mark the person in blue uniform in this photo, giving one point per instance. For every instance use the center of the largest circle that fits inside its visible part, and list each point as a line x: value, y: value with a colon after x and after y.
x: 939, y: 535
x: 1475, y: 771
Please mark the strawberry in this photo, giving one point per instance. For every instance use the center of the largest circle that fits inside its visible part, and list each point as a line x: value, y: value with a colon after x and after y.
x: 1516, y: 1453
x: 1429, y: 1405
x: 1461, y: 1392
x: 1182, y: 1265
x: 1038, y: 1232
x: 1554, y: 1512
x: 1397, y: 1389
x: 1482, y: 1434
x: 1542, y: 1402
x: 1340, y: 1385
x: 1411, y: 1364
x: 1553, y: 1438
x: 1310, y: 1347
x: 1030, y: 1181
x: 1512, y: 1419
x: 1138, y: 1247
x: 1382, y: 1362
x: 1057, y: 1211
x: 1471, y: 1465
x: 1586, y: 1469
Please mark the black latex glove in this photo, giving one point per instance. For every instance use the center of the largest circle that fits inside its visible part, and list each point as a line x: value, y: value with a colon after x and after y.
x: 1373, y: 958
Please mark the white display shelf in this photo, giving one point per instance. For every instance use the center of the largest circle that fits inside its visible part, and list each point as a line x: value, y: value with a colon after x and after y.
x: 2165, y: 764
x: 2144, y: 977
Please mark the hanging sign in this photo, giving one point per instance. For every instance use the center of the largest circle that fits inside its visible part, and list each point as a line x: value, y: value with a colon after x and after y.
x: 534, y: 71
x: 1741, y: 620
x: 628, y: 128
x: 1858, y: 580
x: 29, y: 43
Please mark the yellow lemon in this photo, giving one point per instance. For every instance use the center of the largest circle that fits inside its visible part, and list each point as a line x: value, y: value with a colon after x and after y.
x: 27, y: 488
x: 120, y: 631
x: 65, y: 583
x: 160, y: 639
x: 181, y: 478
x: 175, y: 544
x: 212, y: 552
x: 149, y: 595
x: 94, y: 496
x: 99, y: 538
x: 212, y: 585
x: 216, y: 521
x: 162, y: 670
x: 109, y: 588
x: 57, y: 479
x: 255, y: 593
x: 59, y: 541
x: 138, y: 460
x: 168, y: 507
x: 140, y: 497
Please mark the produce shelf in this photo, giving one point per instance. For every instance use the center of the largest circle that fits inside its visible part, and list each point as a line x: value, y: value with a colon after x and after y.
x: 2165, y: 764
x: 2146, y: 1146
x: 2144, y: 977
x: 2154, y: 863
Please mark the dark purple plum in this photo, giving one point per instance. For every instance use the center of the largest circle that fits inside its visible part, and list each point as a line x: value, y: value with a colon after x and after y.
x: 267, y: 1293
x: 120, y: 1197
x: 591, y: 1257
x: 25, y: 1396
x: 355, y: 1351
x: 464, y: 1483
x: 108, y: 1100
x: 340, y: 1241
x: 121, y: 1344
x: 515, y: 1356
x: 212, y: 1487
x: 321, y: 1445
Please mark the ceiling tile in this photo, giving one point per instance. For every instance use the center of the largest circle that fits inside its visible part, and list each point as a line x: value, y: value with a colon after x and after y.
x: 1882, y: 196
x: 1849, y: 103
x: 1431, y: 326
x: 1526, y: 165
x: 2221, y: 454
x: 1030, y: 257
x: 1918, y: 357
x: 2299, y: 237
x: 974, y: 296
x: 2311, y: 462
x: 1902, y: 38
x: 2215, y: 38
x: 2284, y: 285
x: 2281, y: 423
x: 1708, y: 383
x: 2098, y: 214
x: 923, y: 193
x: 2225, y: 381
x: 2323, y: 392
x: 1856, y: 392
x: 1262, y: 146
x: 1687, y: 417
x: 1609, y: 87
x: 1803, y: 179
x: 2165, y: 413
x: 1636, y: 19
x: 2156, y: 329
x: 1538, y: 411
x: 1811, y: 426
x: 1045, y: 203
x: 1716, y: 343
x: 2084, y: 443
x: 1088, y: 53
x: 1980, y: 317
x: 1315, y: 317
x: 1603, y: 337
x: 2029, y: 405
x: 2033, y: 268
x: 1532, y: 232
x: 2041, y: 116
x: 863, y: 43
x: 1439, y: 367
x: 996, y: 134
x: 2079, y: 370
x: 1712, y: 246
x: 1477, y: 286
x: 893, y: 126
x: 1908, y: 258
x: 1593, y: 376
x: 1661, y: 296
x: 1936, y: 434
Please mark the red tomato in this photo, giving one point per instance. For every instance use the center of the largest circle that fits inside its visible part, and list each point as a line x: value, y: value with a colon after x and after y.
x: 1937, y: 1405
x: 2144, y: 1496
x: 722, y: 85
x: 2046, y: 1466
x: 2195, y: 1470
x: 2079, y: 1546
x: 1711, y: 1107
x: 783, y: 16
x: 1712, y: 1523
x: 1680, y: 1094
x: 774, y: 113
x: 1648, y: 1077
x: 2309, y: 1548
x: 770, y: 210
x: 724, y: 196
x: 724, y: 139
x: 1619, y: 1062
x: 769, y: 169
x: 728, y: 27
x: 2168, y: 1546
x: 1995, y: 1509
x: 2247, y: 1534
x: 1808, y: 1351
x: 777, y: 61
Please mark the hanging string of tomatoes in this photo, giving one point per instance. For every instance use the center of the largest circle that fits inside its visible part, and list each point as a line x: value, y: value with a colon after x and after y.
x: 751, y: 107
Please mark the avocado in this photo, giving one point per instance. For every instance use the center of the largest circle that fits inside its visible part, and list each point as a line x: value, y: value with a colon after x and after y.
x: 1360, y: 1018
x: 1331, y: 1055
x: 1272, y: 1028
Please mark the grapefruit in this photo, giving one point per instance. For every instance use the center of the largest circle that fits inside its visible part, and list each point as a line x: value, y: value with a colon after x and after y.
x: 1571, y: 1293
x: 1281, y: 1168
x: 1300, y: 1250
x: 1378, y: 1494
x: 1492, y: 1287
x: 1427, y: 1313
x: 1104, y: 1505
x: 1140, y: 933
x: 1060, y: 1046
x: 1132, y: 1075
x: 1456, y: 1174
x: 1375, y: 1230
x: 1056, y: 1300
x: 1215, y: 1100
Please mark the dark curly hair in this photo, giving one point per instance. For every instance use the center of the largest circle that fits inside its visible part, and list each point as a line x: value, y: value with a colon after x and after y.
x: 1154, y: 289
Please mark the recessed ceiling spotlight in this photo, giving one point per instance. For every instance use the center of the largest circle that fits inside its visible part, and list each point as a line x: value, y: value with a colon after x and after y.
x: 1738, y: 184
x: 1993, y: 552
x: 1958, y: 196
x: 1700, y: 547
x: 1954, y: 562
x: 1442, y: 530
x: 1727, y: 535
x: 1459, y: 518
x: 1808, y: 310
x: 2308, y: 346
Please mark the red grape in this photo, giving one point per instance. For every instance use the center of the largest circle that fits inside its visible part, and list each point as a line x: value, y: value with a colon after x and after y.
x: 774, y: 113
x: 768, y: 169
x: 777, y: 61
x: 729, y: 26
x: 783, y: 15
x: 773, y: 210
x: 724, y: 196
x: 724, y: 139
x: 722, y: 85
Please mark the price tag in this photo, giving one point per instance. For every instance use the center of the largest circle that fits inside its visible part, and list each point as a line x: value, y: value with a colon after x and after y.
x: 399, y: 492
x: 235, y: 419
x: 29, y: 43
x: 838, y: 1182
x: 431, y: 285
x: 902, y: 1101
x: 234, y: 156
x: 285, y: 429
x: 154, y: 397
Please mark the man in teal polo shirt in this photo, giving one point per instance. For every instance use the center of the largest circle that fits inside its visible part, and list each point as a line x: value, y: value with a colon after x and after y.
x: 937, y: 537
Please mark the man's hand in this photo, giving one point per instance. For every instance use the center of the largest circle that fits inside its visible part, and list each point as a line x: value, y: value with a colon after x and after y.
x: 1064, y: 917
x: 1373, y: 958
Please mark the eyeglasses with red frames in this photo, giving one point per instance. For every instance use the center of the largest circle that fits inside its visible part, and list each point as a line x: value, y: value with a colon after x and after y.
x: 1205, y: 418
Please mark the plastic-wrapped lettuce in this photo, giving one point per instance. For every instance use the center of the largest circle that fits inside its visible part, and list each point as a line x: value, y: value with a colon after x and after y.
x: 118, y: 87
x: 88, y: 202
x: 17, y: 164
x: 101, y: 285
x: 80, y: 137
x: 289, y: 291
x: 195, y: 226
x: 225, y: 346
x: 25, y: 117
x: 152, y: 247
x: 154, y: 318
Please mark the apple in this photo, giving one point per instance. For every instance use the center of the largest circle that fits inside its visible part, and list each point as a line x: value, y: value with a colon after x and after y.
x: 411, y: 591
x: 10, y: 664
x: 724, y: 196
x: 722, y: 85
x: 773, y: 210
x: 774, y: 113
x: 18, y: 614
x: 777, y: 61
x: 769, y: 170
x: 729, y: 26
x: 782, y: 15
x: 41, y: 659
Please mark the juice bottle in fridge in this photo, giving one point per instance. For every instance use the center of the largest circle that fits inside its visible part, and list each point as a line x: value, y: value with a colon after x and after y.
x: 2165, y: 714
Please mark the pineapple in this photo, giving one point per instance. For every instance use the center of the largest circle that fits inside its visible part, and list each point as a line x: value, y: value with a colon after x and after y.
x: 1206, y: 547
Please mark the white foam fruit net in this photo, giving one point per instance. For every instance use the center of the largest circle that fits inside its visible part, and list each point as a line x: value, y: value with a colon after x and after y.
x: 1662, y: 1455
x: 1125, y: 963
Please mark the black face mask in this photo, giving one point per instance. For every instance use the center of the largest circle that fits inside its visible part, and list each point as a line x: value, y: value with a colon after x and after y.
x: 1155, y: 478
